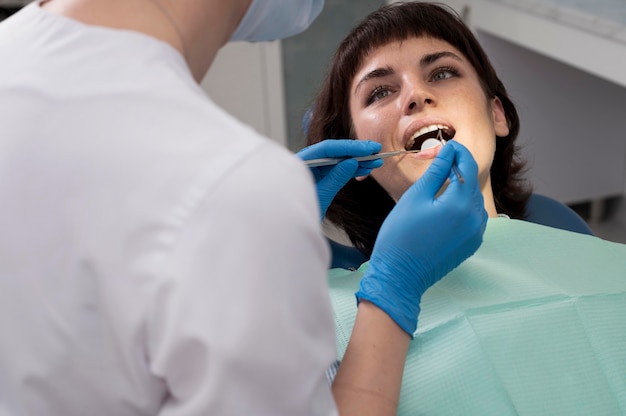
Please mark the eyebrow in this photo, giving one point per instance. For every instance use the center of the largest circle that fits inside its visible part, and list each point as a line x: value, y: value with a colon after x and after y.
x: 433, y: 57
x: 425, y: 61
x: 377, y: 73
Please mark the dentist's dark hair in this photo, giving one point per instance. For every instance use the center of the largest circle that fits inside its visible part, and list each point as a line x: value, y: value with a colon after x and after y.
x: 361, y: 206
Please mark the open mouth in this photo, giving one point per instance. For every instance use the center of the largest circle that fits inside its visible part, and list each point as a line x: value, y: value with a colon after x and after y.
x: 429, y: 132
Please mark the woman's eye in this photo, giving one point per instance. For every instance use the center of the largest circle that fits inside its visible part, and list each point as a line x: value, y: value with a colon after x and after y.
x: 377, y: 94
x: 444, y: 73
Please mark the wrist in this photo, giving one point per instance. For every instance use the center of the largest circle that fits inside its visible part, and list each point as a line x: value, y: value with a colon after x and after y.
x: 397, y: 293
x: 402, y: 313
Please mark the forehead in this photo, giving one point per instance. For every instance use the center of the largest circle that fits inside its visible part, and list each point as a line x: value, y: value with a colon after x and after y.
x: 412, y: 49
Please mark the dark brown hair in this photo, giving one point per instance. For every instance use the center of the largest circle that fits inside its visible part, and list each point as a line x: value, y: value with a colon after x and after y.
x: 361, y: 206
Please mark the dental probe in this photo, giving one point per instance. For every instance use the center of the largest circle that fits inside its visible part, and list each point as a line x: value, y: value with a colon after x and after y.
x: 454, y: 168
x: 329, y: 161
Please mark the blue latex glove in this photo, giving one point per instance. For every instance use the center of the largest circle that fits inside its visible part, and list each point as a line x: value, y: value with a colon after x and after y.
x: 424, y: 237
x: 330, y: 179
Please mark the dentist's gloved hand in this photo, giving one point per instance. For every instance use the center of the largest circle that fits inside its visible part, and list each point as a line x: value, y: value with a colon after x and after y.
x: 330, y: 179
x: 424, y: 237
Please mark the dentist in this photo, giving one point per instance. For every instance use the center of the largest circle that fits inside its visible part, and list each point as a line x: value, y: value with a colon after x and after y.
x: 157, y: 256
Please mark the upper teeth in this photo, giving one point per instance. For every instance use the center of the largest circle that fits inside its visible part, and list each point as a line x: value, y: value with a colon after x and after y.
x: 425, y: 130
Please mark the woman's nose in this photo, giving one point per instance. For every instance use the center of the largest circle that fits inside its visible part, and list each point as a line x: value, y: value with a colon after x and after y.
x: 413, y: 104
x: 417, y: 99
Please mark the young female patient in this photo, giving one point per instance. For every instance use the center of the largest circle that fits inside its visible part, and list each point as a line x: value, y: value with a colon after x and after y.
x: 534, y: 322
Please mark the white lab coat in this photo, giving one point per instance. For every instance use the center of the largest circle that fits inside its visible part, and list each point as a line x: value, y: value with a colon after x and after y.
x: 156, y: 256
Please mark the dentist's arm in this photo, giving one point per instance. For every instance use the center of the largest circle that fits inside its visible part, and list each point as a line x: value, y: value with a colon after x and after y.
x: 330, y: 179
x: 423, y: 239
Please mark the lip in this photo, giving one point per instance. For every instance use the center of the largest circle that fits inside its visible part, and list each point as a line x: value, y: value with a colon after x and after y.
x: 416, y: 125
x: 429, y: 153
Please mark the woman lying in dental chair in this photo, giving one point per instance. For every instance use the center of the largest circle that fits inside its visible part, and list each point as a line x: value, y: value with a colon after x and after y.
x: 535, y: 321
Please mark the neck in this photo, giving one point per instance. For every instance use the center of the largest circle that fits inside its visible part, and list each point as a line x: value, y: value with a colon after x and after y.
x: 195, y: 28
x: 178, y: 41
x: 490, y: 204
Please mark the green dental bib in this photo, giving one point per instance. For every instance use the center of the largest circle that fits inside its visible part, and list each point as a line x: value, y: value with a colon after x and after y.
x: 533, y: 324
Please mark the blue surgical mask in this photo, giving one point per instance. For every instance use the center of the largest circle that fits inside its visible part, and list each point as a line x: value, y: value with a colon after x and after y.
x: 276, y: 19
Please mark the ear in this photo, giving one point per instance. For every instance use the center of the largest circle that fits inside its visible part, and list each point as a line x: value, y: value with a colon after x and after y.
x: 500, y: 123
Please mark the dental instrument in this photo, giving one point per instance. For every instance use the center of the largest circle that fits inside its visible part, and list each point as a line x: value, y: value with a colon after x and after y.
x: 428, y: 143
x: 454, y: 168
x: 329, y: 161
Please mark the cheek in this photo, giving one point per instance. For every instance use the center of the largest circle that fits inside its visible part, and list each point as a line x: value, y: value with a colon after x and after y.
x: 371, y: 126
